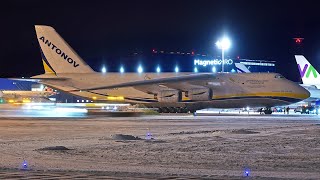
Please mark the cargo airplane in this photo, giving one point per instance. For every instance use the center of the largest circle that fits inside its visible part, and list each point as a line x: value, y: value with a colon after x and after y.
x: 170, y: 92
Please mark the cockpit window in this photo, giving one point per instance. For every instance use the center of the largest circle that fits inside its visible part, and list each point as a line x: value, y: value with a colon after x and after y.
x: 279, y: 76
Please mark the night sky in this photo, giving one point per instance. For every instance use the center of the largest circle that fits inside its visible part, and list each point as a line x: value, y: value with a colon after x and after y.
x: 99, y: 30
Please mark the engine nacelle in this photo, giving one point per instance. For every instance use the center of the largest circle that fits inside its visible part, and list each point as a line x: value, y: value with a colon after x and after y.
x: 170, y: 96
x: 200, y: 94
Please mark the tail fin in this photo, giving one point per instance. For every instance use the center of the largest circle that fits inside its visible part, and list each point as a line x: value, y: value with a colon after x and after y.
x: 308, y: 73
x: 57, y: 56
x: 241, y: 68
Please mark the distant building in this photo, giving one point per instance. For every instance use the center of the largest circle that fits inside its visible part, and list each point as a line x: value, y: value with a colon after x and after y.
x: 259, y: 65
x: 188, y: 62
x: 8, y: 84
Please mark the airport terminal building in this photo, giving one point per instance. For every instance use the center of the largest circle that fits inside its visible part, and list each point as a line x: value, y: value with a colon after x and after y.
x: 186, y: 62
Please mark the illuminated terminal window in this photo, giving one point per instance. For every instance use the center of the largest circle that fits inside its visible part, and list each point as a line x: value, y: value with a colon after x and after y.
x: 258, y: 64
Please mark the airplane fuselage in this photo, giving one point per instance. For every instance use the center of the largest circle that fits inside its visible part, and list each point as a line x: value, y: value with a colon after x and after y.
x: 228, y: 90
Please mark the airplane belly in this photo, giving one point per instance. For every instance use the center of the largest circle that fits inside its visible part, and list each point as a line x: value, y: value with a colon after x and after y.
x: 230, y: 103
x: 249, y: 102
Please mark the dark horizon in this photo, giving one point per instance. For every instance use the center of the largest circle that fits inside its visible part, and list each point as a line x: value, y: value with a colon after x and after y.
x: 100, y: 31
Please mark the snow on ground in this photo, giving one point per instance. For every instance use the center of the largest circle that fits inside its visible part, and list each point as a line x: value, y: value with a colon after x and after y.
x: 184, y: 146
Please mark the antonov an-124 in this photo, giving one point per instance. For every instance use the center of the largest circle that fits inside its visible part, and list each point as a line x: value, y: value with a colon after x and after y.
x: 65, y: 70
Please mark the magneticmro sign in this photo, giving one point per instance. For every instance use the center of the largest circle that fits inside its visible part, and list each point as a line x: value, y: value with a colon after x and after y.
x: 211, y: 62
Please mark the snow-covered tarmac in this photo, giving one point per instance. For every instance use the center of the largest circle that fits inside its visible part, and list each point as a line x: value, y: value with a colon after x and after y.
x: 182, y: 147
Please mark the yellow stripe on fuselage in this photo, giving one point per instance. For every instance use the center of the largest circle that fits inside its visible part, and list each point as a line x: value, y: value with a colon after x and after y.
x: 185, y: 98
x: 264, y: 94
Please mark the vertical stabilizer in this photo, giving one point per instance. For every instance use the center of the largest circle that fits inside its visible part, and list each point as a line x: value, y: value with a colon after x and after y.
x: 57, y: 56
x: 308, y: 73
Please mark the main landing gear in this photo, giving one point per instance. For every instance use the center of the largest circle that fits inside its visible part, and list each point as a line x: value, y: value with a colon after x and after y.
x: 266, y: 110
x: 174, y: 110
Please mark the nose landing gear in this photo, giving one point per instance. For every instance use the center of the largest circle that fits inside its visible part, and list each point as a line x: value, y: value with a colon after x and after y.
x: 267, y: 110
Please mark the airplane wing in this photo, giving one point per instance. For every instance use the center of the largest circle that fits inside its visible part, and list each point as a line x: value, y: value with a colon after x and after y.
x: 158, y: 81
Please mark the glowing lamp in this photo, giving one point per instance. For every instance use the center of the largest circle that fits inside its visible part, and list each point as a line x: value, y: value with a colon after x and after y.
x: 140, y: 70
x: 223, y: 44
x: 298, y: 40
x: 214, y: 69
x: 176, y: 69
x: 246, y: 172
x: 103, y: 70
x: 121, y: 69
x: 24, y: 164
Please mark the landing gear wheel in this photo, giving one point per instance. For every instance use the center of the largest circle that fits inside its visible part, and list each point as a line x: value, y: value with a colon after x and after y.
x: 192, y: 111
x: 172, y: 110
x: 179, y: 110
x: 165, y: 110
x: 184, y: 110
x: 267, y: 111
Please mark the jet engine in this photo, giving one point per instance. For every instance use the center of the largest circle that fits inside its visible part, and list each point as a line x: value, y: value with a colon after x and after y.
x: 200, y: 94
x: 170, y: 96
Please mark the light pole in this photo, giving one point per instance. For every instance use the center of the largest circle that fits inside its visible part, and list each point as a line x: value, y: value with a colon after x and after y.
x: 223, y: 44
